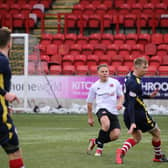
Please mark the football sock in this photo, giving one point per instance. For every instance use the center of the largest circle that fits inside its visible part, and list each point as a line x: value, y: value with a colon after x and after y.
x: 157, y: 149
x: 128, y: 144
x: 17, y: 163
x: 101, y: 138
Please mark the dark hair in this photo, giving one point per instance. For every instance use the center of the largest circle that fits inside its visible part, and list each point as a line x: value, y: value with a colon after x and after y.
x: 4, y: 36
x: 139, y: 61
x: 102, y: 65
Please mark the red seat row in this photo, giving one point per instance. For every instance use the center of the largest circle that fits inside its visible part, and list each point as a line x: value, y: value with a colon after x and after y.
x: 106, y: 38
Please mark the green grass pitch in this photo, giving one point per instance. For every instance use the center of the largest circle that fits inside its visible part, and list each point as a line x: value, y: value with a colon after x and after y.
x: 60, y: 141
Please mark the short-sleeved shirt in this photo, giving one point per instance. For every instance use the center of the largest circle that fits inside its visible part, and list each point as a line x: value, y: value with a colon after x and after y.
x: 105, y: 94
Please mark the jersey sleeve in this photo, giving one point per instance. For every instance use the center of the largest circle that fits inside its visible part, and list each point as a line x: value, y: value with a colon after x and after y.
x: 91, y: 95
x: 131, y: 87
x: 2, y: 70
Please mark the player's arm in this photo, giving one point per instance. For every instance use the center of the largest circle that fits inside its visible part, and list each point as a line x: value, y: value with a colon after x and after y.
x: 132, y: 94
x: 120, y: 95
x: 90, y: 99
x: 152, y: 95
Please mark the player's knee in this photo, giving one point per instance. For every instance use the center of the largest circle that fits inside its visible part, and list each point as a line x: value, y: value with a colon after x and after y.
x: 114, y: 135
x: 105, y: 123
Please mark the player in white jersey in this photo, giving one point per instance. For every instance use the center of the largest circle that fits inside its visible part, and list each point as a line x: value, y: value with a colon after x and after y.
x: 109, y: 99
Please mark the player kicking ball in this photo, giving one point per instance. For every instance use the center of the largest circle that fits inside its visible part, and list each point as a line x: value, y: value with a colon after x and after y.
x: 136, y: 117
x: 109, y: 99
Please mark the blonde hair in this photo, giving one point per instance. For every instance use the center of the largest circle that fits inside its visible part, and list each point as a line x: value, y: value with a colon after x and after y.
x: 102, y: 65
x: 139, y: 61
x: 4, y: 36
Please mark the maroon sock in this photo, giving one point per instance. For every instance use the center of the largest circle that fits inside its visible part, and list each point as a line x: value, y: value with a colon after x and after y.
x: 157, y: 149
x: 17, y: 163
x: 129, y: 143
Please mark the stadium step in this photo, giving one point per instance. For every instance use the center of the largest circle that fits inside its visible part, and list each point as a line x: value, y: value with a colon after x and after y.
x: 58, y: 6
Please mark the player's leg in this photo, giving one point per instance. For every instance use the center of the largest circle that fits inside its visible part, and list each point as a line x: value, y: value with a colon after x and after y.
x: 11, y: 145
x: 127, y: 145
x: 156, y: 143
x: 103, y: 134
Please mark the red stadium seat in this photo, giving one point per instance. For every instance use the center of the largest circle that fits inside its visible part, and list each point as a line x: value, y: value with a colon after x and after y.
x: 92, y: 60
x: 58, y: 39
x: 162, y: 50
x: 107, y: 38
x: 79, y: 60
x: 67, y: 60
x: 96, y: 3
x: 152, y: 71
x: 128, y: 61
x: 112, y: 50
x: 82, y: 20
x: 42, y: 68
x: 75, y: 49
x: 99, y: 50
x: 129, y: 20
x: 25, y: 9
x: 157, y: 38
x: 77, y: 10
x: 46, y: 3
x: 101, y: 9
x: 89, y: 10
x: 117, y: 60
x: 124, y: 50
x: 131, y: 39
x: 160, y: 8
x: 119, y: 38
x: 122, y: 70
x: 82, y: 70
x: 68, y: 70
x: 155, y: 61
x: 137, y: 50
x: 4, y: 9
x: 70, y: 20
x: 87, y: 49
x: 81, y: 39
x: 55, y: 60
x: 108, y: 3
x: 45, y: 58
x: 163, y: 21
x: 124, y: 9
x: 94, y: 21
x: 112, y: 70
x: 118, y: 3
x: 94, y: 38
x: 18, y: 20
x: 105, y: 59
x: 14, y: 9
x: 51, y: 49
x: 107, y: 20
x: 163, y: 70
x: 70, y: 39
x: 136, y: 8
x: 93, y: 70
x: 164, y: 60
x: 46, y: 39
x: 148, y: 8
x: 165, y: 38
x: 144, y: 38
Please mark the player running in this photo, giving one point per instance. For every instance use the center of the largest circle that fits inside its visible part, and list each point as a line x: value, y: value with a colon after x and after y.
x: 8, y: 136
x: 109, y: 99
x: 136, y: 116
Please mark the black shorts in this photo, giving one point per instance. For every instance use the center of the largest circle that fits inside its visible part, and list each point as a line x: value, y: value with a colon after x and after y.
x: 8, y: 136
x: 143, y: 121
x: 114, y: 122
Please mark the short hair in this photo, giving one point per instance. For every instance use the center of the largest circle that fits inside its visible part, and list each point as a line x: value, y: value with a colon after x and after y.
x: 5, y: 36
x: 101, y: 65
x: 139, y: 61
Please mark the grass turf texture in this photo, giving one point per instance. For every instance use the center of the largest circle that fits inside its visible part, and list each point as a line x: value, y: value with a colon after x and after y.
x: 60, y: 141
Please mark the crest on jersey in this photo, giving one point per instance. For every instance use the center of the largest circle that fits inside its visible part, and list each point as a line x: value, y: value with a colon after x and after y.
x: 111, y: 85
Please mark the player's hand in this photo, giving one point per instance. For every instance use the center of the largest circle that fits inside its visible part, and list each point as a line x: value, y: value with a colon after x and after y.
x: 11, y: 97
x: 10, y: 111
x: 154, y: 93
x: 91, y: 122
x: 132, y: 127
x: 119, y: 106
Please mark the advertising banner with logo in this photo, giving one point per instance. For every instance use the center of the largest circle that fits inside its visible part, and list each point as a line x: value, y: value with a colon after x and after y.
x: 76, y: 87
